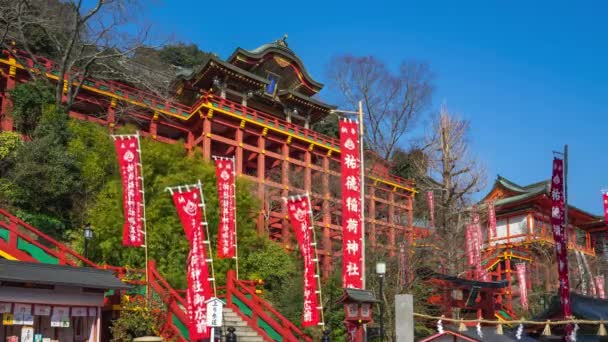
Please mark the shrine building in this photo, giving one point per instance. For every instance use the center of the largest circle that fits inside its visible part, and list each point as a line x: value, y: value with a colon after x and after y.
x: 259, y: 106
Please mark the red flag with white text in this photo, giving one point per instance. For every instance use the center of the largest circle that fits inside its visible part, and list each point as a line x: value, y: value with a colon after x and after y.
x: 298, y: 208
x: 431, y: 204
x: 520, y: 269
x: 189, y: 208
x: 352, y: 239
x: 470, y: 241
x: 224, y: 169
x: 559, y: 234
x: 129, y: 161
x: 491, y: 222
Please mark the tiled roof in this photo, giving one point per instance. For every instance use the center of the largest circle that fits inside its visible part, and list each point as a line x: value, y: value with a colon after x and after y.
x: 37, y: 273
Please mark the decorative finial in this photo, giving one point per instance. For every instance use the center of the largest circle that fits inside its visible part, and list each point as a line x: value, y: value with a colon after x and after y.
x: 283, y: 41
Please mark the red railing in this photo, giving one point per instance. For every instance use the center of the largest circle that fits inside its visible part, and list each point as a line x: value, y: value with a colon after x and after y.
x: 545, y: 236
x: 175, y: 303
x: 260, y: 309
x: 157, y: 103
x: 282, y: 125
x: 19, y: 229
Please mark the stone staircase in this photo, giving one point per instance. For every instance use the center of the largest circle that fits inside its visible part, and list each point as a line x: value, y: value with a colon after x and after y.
x: 243, y: 331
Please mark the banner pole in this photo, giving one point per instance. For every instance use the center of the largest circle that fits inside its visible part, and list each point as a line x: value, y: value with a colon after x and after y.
x: 143, y: 200
x: 236, y: 246
x: 362, y: 166
x: 317, y: 268
x: 207, y: 237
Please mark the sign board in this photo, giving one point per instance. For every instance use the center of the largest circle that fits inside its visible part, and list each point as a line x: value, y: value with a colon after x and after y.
x: 79, y: 312
x: 215, y: 310
x: 60, y: 317
x: 42, y: 310
x: 38, y: 338
x: 23, y: 314
x: 7, y: 318
x: 27, y: 334
x: 5, y: 307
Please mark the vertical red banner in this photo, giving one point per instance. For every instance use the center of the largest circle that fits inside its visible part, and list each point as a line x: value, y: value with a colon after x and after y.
x: 605, y: 198
x: 129, y: 161
x: 491, y: 222
x: 352, y: 239
x: 224, y: 169
x: 599, y: 285
x: 298, y: 208
x: 431, y: 204
x: 559, y: 233
x: 188, y: 204
x: 520, y: 269
x: 470, y: 241
x: 473, y: 244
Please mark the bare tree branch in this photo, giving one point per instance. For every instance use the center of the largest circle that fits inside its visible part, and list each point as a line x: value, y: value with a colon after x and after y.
x: 391, y: 103
x: 83, y: 41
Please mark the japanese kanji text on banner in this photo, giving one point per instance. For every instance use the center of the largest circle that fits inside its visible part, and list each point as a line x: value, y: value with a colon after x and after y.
x: 431, y: 203
x: 224, y: 169
x: 299, y: 211
x: 523, y: 287
x: 352, y: 239
x: 559, y: 233
x: 129, y: 161
x: 188, y: 203
x: 491, y: 222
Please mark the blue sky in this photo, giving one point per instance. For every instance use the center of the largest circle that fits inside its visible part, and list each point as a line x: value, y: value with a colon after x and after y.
x: 529, y: 75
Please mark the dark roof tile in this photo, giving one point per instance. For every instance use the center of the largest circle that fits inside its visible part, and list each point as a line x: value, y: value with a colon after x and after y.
x: 37, y: 273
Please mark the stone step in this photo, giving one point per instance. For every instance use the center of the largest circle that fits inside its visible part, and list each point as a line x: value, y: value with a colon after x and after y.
x: 235, y: 324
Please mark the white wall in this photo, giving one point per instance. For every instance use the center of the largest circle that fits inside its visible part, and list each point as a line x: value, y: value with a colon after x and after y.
x: 517, y: 225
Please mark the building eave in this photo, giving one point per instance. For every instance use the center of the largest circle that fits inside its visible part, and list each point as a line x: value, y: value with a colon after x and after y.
x: 271, y: 49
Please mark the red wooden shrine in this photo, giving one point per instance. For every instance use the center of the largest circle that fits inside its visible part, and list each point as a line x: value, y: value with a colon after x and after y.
x: 257, y: 105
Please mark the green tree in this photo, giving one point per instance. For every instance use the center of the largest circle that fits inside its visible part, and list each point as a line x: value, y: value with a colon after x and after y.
x: 183, y: 55
x: 29, y: 100
x: 328, y: 126
x: 9, y: 141
x: 44, y: 175
x: 168, y: 165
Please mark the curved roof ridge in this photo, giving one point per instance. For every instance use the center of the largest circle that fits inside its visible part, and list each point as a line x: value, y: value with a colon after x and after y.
x: 279, y: 46
x: 510, y: 184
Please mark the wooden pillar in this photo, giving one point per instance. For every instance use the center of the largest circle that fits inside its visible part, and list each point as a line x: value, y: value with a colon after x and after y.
x: 327, y: 244
x: 239, y: 148
x: 410, y: 212
x: 307, y: 170
x: 285, y: 192
x: 190, y: 142
x: 391, y: 222
x: 371, y: 216
x: 111, y: 117
x: 154, y: 126
x: 6, y: 122
x: 508, y: 272
x: 261, y: 169
x: 499, y: 272
x: 207, y: 135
